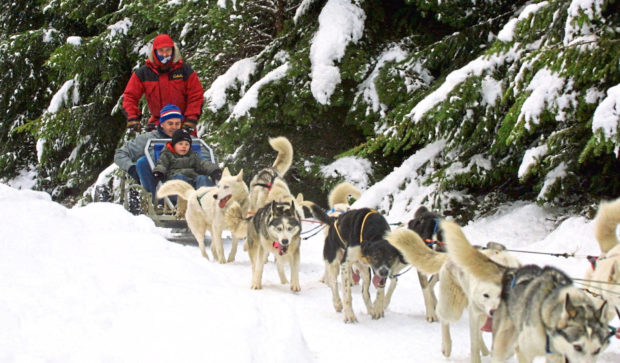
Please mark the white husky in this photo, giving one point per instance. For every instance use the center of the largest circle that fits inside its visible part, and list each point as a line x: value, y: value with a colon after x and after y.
x: 606, y: 276
x: 213, y: 208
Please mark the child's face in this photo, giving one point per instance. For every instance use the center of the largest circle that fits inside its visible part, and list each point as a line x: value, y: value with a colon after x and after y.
x: 181, y: 147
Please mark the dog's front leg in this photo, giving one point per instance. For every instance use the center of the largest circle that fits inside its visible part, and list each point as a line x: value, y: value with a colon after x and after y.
x: 217, y: 247
x: 259, y: 263
x: 475, y: 337
x: 365, y: 277
x: 390, y: 291
x: 345, y: 270
x: 233, y: 248
x: 446, y: 339
x: 430, y: 301
x: 504, y: 337
x: 379, y: 307
x: 280, y: 268
x: 294, y: 261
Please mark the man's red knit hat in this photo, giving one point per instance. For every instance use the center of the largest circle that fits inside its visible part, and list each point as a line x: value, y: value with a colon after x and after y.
x: 162, y: 40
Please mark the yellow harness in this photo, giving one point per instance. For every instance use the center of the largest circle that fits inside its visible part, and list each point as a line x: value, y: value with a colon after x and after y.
x: 372, y: 211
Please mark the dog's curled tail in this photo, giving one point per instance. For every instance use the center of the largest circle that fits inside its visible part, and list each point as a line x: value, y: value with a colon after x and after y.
x: 285, y: 154
x: 319, y: 213
x: 175, y: 187
x: 415, y: 251
x: 605, y: 223
x: 339, y: 194
x: 468, y: 257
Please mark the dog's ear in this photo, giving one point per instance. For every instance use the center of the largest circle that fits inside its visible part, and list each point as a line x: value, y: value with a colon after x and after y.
x: 240, y: 175
x: 614, y: 272
x: 420, y: 211
x: 570, y: 309
x: 225, y: 172
x: 599, y: 313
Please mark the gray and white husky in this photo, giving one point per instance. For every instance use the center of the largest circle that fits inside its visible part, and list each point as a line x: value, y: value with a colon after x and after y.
x: 541, y: 312
x: 275, y: 228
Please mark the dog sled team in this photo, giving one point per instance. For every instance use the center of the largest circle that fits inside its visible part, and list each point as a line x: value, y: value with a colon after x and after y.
x: 531, y: 310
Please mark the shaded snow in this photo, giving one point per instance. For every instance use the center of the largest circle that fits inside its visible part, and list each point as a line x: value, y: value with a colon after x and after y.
x: 530, y: 159
x: 507, y: 32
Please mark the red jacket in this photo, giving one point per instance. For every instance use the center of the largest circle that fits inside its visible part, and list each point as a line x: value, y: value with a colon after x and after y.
x: 175, y: 84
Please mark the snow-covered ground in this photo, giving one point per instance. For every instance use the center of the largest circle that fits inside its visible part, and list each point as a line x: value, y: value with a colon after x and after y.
x: 97, y: 284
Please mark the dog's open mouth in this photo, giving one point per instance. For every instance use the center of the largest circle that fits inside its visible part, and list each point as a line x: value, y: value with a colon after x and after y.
x: 282, y: 249
x: 225, y: 200
x: 488, y: 325
x: 378, y: 281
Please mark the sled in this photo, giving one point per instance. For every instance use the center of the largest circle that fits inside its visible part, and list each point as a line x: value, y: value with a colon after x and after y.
x: 137, y: 200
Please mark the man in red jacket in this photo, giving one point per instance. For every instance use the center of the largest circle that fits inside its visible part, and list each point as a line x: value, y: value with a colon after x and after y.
x: 164, y: 79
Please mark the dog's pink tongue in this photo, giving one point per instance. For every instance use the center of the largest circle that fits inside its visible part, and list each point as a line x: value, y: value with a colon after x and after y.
x: 223, y: 201
x: 378, y: 281
x: 356, y: 277
x: 488, y: 325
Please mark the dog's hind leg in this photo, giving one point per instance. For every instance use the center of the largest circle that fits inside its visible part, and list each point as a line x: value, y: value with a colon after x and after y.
x: 198, y: 229
x: 332, y: 281
x: 446, y: 339
x: 430, y: 301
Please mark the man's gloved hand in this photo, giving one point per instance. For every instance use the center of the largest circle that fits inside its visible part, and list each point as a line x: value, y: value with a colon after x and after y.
x: 133, y: 173
x: 189, y: 125
x: 134, y: 125
x: 150, y: 126
x: 159, y: 176
x: 216, y: 175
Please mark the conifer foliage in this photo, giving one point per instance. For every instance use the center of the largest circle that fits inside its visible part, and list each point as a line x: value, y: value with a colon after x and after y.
x: 524, y: 94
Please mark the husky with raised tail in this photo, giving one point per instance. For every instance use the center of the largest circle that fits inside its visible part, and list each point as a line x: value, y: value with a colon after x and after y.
x: 212, y: 209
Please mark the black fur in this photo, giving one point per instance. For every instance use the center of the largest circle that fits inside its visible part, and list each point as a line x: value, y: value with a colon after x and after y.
x: 374, y: 247
x: 426, y: 224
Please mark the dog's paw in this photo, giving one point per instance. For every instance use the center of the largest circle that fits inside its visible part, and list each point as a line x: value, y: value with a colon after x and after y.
x: 256, y: 286
x: 446, y: 349
x: 431, y: 317
x: 377, y: 314
x: 338, y: 306
x: 295, y: 287
x: 231, y: 259
x: 350, y: 318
